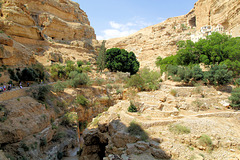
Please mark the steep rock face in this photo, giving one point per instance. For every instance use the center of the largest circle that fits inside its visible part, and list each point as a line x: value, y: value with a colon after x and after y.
x: 161, y: 39
x: 154, y: 41
x: 33, y: 19
x: 41, y: 23
x: 224, y: 12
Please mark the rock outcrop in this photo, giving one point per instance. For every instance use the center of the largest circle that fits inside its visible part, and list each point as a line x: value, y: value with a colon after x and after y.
x: 161, y: 39
x: 37, y: 24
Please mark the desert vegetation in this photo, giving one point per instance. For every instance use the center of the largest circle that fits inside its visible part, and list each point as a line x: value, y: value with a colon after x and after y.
x: 217, y: 51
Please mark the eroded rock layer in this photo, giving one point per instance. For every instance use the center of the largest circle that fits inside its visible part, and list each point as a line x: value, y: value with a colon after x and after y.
x: 40, y: 23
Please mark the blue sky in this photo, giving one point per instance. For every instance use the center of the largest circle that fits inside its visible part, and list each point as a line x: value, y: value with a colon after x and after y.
x: 118, y: 18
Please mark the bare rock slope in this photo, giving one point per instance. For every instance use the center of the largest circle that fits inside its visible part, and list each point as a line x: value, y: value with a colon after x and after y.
x: 37, y: 24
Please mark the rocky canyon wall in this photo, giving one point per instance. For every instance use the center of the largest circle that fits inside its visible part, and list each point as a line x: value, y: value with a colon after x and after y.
x: 41, y: 26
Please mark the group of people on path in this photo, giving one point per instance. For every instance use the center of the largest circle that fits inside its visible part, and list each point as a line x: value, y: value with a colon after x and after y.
x: 9, y: 87
x: 4, y: 88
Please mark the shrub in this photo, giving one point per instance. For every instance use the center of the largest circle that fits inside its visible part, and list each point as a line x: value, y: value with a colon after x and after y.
x: 79, y: 79
x: 29, y: 74
x: 173, y: 92
x: 235, y: 98
x: 41, y: 92
x: 172, y: 70
x: 59, y: 86
x: 121, y: 60
x: 132, y: 108
x: 86, y: 69
x: 136, y: 130
x: 80, y: 63
x: 145, y: 80
x: 151, y: 79
x: 206, y: 141
x: 109, y: 86
x: 70, y: 67
x: 218, y: 75
x: 158, y: 61
x: 99, y: 81
x: 69, y: 119
x: 237, y: 82
x: 197, y: 73
x: 179, y: 129
x: 39, y: 69
x: 82, y: 100
x: 136, y: 81
x: 58, y: 71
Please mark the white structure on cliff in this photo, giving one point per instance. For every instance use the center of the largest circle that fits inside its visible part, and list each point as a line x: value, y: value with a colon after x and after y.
x: 207, y: 30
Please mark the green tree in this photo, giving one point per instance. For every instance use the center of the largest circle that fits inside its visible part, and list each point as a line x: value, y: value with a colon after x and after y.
x: 101, y: 57
x: 121, y: 60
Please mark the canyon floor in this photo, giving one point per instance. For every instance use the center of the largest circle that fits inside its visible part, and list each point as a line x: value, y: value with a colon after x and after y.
x: 203, y: 110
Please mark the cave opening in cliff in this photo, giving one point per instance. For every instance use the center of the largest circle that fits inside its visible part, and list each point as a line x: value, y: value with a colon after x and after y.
x: 192, y: 21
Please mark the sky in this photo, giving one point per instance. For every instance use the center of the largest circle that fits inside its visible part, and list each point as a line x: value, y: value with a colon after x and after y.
x: 119, y: 18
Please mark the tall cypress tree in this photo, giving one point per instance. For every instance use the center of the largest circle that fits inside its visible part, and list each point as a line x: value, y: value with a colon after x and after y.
x: 101, y: 57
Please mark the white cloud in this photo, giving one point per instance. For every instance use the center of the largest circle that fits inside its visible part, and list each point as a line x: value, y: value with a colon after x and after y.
x: 120, y: 30
x: 161, y: 19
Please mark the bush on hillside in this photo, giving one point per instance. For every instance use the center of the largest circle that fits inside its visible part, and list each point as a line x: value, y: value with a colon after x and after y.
x: 121, y: 60
x: 40, y: 92
x: 235, y: 98
x: 218, y: 75
x: 69, y: 119
x: 151, y: 79
x: 78, y: 79
x: 29, y: 74
x: 82, y: 100
x: 179, y: 129
x: 136, y: 81
x: 59, y: 86
x: 132, y: 108
x: 145, y: 80
x: 80, y: 63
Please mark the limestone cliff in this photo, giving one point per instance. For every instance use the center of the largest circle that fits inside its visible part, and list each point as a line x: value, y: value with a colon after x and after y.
x: 161, y: 39
x: 224, y: 12
x: 39, y: 24
x: 154, y: 41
